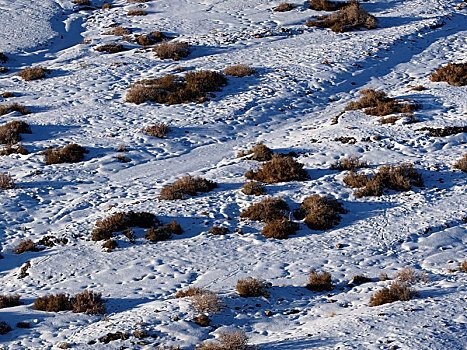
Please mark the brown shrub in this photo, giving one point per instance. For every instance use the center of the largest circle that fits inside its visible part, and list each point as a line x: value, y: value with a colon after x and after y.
x: 6, y: 182
x: 351, y: 164
x: 82, y: 2
x: 377, y: 103
x: 227, y: 341
x: 268, y: 209
x: 280, y: 229
x: 259, y: 152
x: 110, y: 48
x: 173, y: 227
x: 158, y: 234
x: 26, y: 246
x: 320, y: 282
x: 251, y: 287
x: 202, y: 320
x: 207, y: 301
x: 14, y: 107
x: 396, y: 291
x: 53, y: 303
x: 174, y: 50
x: 284, y: 7
x: 253, y: 188
x: 279, y: 169
x: 189, y: 292
x: 139, y: 1
x: 326, y: 5
x: 463, y: 266
x: 110, y: 245
x: 446, y: 131
x: 409, y: 275
x: 10, y: 132
x: 3, y: 57
x: 417, y: 88
x: 239, y: 70
x: 88, y: 302
x: 352, y: 16
x: 12, y: 150
x: 372, y: 188
x: 137, y: 12
x: 4, y: 328
x: 453, y: 74
x: 158, y: 130
x: 9, y: 301
x: 71, y: 153
x: 359, y: 279
x: 187, y: 185
x: 7, y: 94
x: 119, y: 30
x: 33, y: 73
x: 106, y: 6
x: 219, y: 231
x: 151, y: 38
x: 321, y: 212
x: 461, y: 164
x: 389, y: 120
x: 122, y: 221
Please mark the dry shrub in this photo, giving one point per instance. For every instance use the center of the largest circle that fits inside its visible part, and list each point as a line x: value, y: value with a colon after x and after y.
x: 351, y: 164
x: 33, y: 73
x: 110, y: 48
x: 253, y: 188
x: 72, y: 153
x: 173, y: 227
x: 53, y: 303
x: 139, y: 1
x: 280, y: 229
x: 9, y: 301
x: 7, y: 94
x: 202, y: 320
x: 396, y: 291
x: 463, y: 266
x: 137, y: 12
x: 320, y: 282
x: 14, y: 107
x: 359, y: 279
x: 82, y: 2
x: 10, y: 132
x: 409, y: 275
x: 218, y: 231
x: 227, y: 341
x: 110, y: 245
x: 461, y: 164
x: 207, y: 301
x: 189, y: 292
x: 3, y: 57
x: 106, y: 6
x: 326, y: 5
x: 279, y: 169
x: 239, y: 70
x: 174, y: 50
x: 157, y: 234
x: 119, y: 30
x: 446, y: 131
x: 418, y: 88
x: 121, y: 222
x: 377, y: 103
x: 268, y: 209
x: 151, y: 38
x: 251, y: 287
x: 158, y: 130
x: 352, y: 16
x: 284, y: 7
x: 187, y: 185
x: 453, y: 74
x: 13, y: 150
x: 26, y: 246
x: 88, y: 302
x: 204, y: 81
x: 259, y: 152
x: 4, y: 328
x: 389, y: 120
x: 321, y: 212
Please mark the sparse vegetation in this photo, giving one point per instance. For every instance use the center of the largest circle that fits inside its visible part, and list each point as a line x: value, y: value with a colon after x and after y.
x: 227, y: 341
x: 4, y: 328
x: 280, y: 229
x: 157, y: 130
x: 174, y: 50
x: 110, y: 48
x: 9, y: 149
x: 187, y: 185
x: 320, y: 282
x: 239, y: 70
x: 279, y: 169
x: 9, y: 301
x: 7, y: 94
x: 53, y: 303
x: 137, y: 12
x: 253, y: 188
x: 107, y: 6
x: 251, y: 287
x: 72, y: 153
x: 326, y: 5
x: 207, y: 301
x: 33, y: 73
x: 453, y: 74
x: 82, y: 2
x: 26, y: 245
x: 409, y: 275
x: 259, y: 152
x: 349, y: 163
x: 6, y: 182
x: 14, y: 107
x: 10, y: 133
x: 122, y: 221
x: 118, y: 30
x: 461, y: 164
x: 151, y: 38
x: 268, y: 209
x: 158, y: 234
x: 446, y: 131
x: 284, y: 7
x: 189, y: 292
x: 321, y: 212
x: 202, y: 320
x: 85, y: 302
x: 218, y: 231
x: 3, y: 57
x: 463, y: 266
x: 377, y: 103
x: 396, y: 291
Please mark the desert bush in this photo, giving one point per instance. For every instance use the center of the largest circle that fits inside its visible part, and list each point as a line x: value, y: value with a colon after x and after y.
x: 9, y: 301
x: 151, y: 38
x: 320, y: 282
x: 389, y: 120
x: 253, y: 188
x: 239, y: 70
x: 189, y: 292
x: 9, y: 149
x: 461, y: 164
x: 3, y: 57
x: 53, y: 303
x: 88, y: 302
x: 6, y: 182
x: 227, y: 341
x: 26, y: 246
x: 202, y: 320
x: 10, y: 133
x: 110, y: 245
x: 204, y: 81
x: 174, y: 50
x: 453, y: 74
x: 352, y: 16
x: 4, y: 328
x: 173, y: 227
x: 326, y: 5
x: 321, y: 212
x: 359, y: 279
x: 268, y: 209
x: 446, y: 131
x: 187, y: 185
x: 157, y: 130
x: 118, y: 30
x: 137, y: 12
x: 14, y: 107
x: 349, y: 163
x: 33, y: 73
x: 377, y: 103
x: 71, y: 153
x: 279, y: 229
x: 251, y: 287
x: 157, y: 234
x: 82, y: 2
x: 463, y: 266
x: 122, y: 221
x: 207, y: 301
x: 218, y: 231
x: 284, y: 7
x: 356, y: 180
x: 110, y: 48
x: 259, y: 152
x: 7, y: 94
x: 106, y: 6
x: 279, y: 169
x: 409, y: 275
x: 396, y: 291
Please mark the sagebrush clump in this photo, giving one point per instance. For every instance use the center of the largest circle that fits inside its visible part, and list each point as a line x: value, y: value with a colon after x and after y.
x: 33, y: 73
x: 10, y: 133
x: 118, y: 30
x: 137, y: 12
x: 6, y: 182
x: 461, y: 164
x: 14, y: 107
x: 239, y: 70
x: 321, y: 212
x: 157, y: 130
x: 227, y: 341
x: 251, y: 287
x: 326, y: 5
x: 453, y: 74
x: 151, y: 38
x: 85, y: 302
x: 284, y: 7
x: 110, y: 48
x: 349, y: 163
x: 72, y: 153
x: 207, y: 301
x: 26, y: 245
x: 397, y: 291
x: 259, y: 152
x: 175, y: 50
x: 280, y: 229
x: 9, y: 300
x: 377, y: 103
x: 279, y: 169
x: 187, y: 186
x: 253, y: 188
x: 267, y: 210
x: 319, y: 282
x: 120, y: 222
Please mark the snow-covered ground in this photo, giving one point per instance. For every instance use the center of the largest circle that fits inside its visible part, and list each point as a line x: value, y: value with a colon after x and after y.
x: 305, y: 77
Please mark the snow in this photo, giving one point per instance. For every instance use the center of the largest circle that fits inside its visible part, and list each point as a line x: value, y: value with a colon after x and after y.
x: 287, y: 105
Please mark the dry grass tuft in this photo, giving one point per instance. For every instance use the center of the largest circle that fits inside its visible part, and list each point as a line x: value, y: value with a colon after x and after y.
x: 268, y: 209
x: 9, y: 301
x: 377, y: 103
x: 251, y: 287
x: 35, y: 73
x: 202, y: 320
x: 137, y: 12
x: 187, y: 185
x: 253, y: 188
x: 239, y: 70
x: 6, y: 182
x: 174, y: 50
x: 71, y: 153
x: 351, y: 164
x: 110, y: 48
x: 26, y: 246
x: 227, y: 341
x: 157, y: 130
x: 446, y: 131
x: 396, y: 291
x: 122, y: 221
x: 463, y: 266
x: 461, y: 164
x: 259, y: 152
x: 151, y: 38
x: 107, y: 6
x: 88, y: 302
x: 173, y: 227
x: 158, y: 234
x: 10, y: 133
x: 280, y: 229
x: 14, y: 107
x: 453, y: 74
x: 53, y: 303
x: 279, y: 169
x: 119, y: 31
x: 189, y: 292
x: 3, y: 57
x: 218, y: 231
x: 284, y: 7
x: 207, y: 301
x: 321, y: 212
x: 320, y: 282
x: 326, y: 5
x: 7, y: 94
x: 352, y: 16
x: 409, y: 275
x: 82, y: 2
x: 9, y: 149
